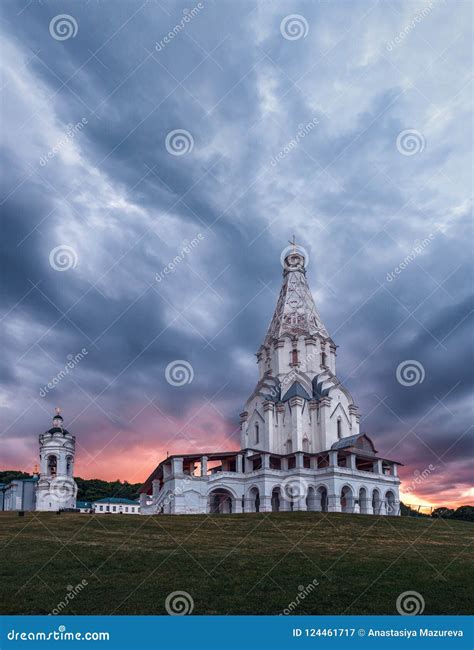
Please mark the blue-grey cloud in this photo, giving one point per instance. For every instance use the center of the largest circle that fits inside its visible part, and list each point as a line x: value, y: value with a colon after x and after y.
x: 288, y: 136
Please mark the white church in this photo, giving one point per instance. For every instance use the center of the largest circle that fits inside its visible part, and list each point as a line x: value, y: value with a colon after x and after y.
x: 301, y: 446
x: 52, y: 488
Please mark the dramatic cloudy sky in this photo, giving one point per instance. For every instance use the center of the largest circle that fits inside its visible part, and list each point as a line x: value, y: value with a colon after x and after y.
x: 344, y: 81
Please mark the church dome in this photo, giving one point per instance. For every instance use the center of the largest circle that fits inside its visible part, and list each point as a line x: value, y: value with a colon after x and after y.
x: 60, y: 430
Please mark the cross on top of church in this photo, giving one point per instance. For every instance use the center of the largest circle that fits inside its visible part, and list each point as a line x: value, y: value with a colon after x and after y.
x: 293, y: 243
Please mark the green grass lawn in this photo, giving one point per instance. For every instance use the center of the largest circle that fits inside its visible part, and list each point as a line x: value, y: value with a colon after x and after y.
x: 233, y: 564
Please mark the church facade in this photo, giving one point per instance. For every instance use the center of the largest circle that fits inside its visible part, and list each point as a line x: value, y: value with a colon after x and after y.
x: 301, y: 444
x: 52, y: 488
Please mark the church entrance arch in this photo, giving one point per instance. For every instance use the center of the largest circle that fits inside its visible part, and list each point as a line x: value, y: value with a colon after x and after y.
x: 363, y: 501
x: 390, y: 503
x: 254, y: 500
x: 311, y: 500
x: 376, y: 502
x: 323, y: 498
x: 347, y: 499
x: 276, y: 500
x: 221, y: 502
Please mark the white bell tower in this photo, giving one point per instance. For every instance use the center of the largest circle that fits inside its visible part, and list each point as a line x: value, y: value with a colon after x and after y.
x: 56, y: 486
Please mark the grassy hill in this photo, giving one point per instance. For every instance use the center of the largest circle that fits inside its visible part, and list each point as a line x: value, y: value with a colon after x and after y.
x: 233, y: 564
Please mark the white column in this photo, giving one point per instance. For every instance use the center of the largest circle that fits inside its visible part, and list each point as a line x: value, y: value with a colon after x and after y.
x: 352, y: 461
x: 177, y: 466
x: 333, y: 458
x: 296, y: 404
x: 378, y: 466
x: 299, y: 460
x: 266, y: 461
x: 315, y: 437
x: 243, y: 429
x: 268, y: 411
x: 265, y: 503
x: 238, y: 463
x: 324, y: 412
x: 311, y: 360
x: 204, y: 466
x: 155, y: 487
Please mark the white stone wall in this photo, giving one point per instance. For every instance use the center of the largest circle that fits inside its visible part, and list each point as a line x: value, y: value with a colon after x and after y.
x: 191, y: 495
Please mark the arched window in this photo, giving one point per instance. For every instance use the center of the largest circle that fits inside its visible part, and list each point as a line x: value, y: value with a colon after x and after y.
x: 323, y: 359
x: 305, y: 444
x: 339, y: 428
x: 69, y: 465
x: 257, y: 433
x: 52, y: 465
x: 294, y: 356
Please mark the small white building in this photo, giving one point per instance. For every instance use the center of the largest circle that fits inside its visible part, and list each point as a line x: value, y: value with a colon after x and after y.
x: 301, y: 446
x: 84, y: 506
x: 19, y: 494
x: 116, y: 505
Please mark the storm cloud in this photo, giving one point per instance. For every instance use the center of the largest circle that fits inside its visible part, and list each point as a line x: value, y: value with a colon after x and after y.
x: 144, y: 248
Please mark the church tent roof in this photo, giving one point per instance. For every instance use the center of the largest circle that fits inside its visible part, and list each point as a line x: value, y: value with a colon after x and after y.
x: 295, y: 312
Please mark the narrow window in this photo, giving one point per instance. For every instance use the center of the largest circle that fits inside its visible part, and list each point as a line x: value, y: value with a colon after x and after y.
x: 339, y: 428
x: 294, y: 357
x: 323, y: 359
x: 257, y: 434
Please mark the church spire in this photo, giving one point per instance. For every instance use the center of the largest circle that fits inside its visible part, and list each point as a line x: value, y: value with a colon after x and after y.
x: 295, y: 313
